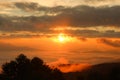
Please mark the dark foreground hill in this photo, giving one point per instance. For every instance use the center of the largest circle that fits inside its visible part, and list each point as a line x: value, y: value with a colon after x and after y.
x: 105, y: 71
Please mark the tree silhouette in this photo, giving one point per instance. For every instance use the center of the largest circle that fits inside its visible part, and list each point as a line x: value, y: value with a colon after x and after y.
x: 23, y: 68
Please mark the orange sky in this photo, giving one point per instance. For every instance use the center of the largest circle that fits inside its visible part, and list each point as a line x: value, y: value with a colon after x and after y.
x: 79, y: 31
x: 92, y: 50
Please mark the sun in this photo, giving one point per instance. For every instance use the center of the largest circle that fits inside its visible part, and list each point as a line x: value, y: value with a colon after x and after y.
x: 62, y: 38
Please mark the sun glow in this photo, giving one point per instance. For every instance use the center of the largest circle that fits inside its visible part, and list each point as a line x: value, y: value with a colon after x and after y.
x: 62, y: 38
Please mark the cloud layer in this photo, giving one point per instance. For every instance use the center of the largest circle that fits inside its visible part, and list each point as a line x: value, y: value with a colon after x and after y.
x: 9, y: 47
x: 70, y: 2
x: 35, y: 18
x: 115, y: 43
x: 80, y: 16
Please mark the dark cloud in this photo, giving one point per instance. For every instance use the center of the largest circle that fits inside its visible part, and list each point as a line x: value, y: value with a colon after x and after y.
x: 9, y: 47
x: 93, y: 16
x: 9, y: 24
x: 115, y: 43
x: 36, y: 7
x: 78, y: 16
x: 84, y: 16
x: 94, y: 33
x: 80, y: 34
x: 81, y: 16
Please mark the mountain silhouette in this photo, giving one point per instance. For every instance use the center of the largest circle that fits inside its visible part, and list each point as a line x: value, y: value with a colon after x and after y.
x: 104, y: 71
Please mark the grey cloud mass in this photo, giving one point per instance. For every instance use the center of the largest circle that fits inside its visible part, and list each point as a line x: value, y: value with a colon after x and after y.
x: 77, y: 16
x: 26, y: 6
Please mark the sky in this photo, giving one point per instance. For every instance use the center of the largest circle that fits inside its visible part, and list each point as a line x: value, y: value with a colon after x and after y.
x: 76, y: 31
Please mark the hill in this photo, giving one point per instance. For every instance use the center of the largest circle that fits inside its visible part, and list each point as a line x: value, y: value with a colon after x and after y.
x: 104, y: 71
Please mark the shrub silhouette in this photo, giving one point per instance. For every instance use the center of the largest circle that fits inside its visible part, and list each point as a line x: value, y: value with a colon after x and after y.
x: 23, y: 68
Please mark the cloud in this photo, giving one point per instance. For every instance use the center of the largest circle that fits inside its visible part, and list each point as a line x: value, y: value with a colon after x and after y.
x: 115, y: 43
x: 9, y: 47
x: 69, y: 2
x: 63, y: 65
x: 26, y: 6
x: 49, y: 17
x: 90, y: 16
x: 94, y: 33
x: 59, y: 61
x: 81, y: 16
x: 72, y: 67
